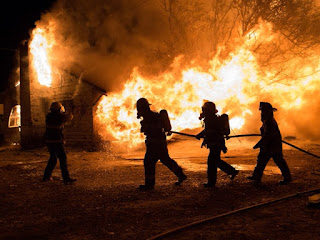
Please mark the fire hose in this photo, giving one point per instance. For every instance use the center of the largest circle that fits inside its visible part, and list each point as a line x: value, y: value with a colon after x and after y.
x: 252, y: 135
x: 210, y: 219
x: 206, y: 220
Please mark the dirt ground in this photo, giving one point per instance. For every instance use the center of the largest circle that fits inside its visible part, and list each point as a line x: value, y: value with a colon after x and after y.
x: 105, y: 203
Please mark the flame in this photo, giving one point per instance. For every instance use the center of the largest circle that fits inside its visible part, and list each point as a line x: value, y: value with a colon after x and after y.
x: 182, y: 97
x: 39, y: 50
x: 235, y: 85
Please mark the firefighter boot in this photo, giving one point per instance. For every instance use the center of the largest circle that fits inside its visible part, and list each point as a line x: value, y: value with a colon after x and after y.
x: 182, y: 178
x: 285, y: 181
x: 146, y: 187
x: 209, y: 185
x: 69, y: 180
x: 234, y: 174
x: 252, y: 178
x: 47, y: 179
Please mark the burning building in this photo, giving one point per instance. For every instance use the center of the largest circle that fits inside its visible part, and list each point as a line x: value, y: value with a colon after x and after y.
x: 39, y: 88
x: 176, y: 54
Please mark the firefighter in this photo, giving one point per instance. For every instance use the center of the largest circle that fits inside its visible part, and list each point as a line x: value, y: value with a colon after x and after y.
x: 55, y: 141
x: 155, y: 126
x: 270, y: 146
x: 215, y: 128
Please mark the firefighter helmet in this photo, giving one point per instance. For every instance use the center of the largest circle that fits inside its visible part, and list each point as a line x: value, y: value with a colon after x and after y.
x: 266, y: 106
x: 142, y: 102
x: 209, y: 107
x: 142, y: 107
x: 56, y: 106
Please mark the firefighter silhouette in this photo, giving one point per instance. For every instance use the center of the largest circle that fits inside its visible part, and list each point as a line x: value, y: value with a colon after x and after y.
x: 270, y: 146
x: 215, y: 129
x: 55, y: 121
x: 155, y: 126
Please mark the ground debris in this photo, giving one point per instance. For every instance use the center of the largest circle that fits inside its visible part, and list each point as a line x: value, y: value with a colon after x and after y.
x: 105, y: 203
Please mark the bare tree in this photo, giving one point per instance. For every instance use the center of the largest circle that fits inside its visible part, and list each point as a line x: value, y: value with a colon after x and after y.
x: 203, y: 26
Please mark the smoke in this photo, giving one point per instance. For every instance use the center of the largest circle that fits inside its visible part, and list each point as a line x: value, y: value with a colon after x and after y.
x: 104, y: 40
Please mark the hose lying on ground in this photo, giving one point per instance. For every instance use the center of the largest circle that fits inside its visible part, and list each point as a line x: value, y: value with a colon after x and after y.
x: 252, y: 135
x: 184, y: 227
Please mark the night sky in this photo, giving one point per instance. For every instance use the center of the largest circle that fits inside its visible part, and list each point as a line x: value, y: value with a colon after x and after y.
x: 17, y: 19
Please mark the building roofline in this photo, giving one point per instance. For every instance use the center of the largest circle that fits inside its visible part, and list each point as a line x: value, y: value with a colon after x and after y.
x: 95, y: 87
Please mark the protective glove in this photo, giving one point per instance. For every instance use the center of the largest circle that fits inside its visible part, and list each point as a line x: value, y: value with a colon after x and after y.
x: 257, y: 145
x: 198, y: 136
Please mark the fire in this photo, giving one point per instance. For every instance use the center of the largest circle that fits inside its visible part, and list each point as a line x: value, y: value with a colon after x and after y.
x: 39, y: 49
x: 235, y: 85
x: 181, y: 94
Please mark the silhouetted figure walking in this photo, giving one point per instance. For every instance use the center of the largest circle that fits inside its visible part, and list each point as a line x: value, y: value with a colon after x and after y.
x: 55, y: 121
x: 216, y: 127
x: 270, y: 145
x: 155, y: 126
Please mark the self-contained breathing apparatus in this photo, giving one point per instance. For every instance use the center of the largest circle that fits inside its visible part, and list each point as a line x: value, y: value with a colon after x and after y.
x: 214, y: 131
x: 157, y: 121
x: 154, y: 125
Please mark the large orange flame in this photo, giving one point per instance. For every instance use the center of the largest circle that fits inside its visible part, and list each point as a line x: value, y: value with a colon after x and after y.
x: 39, y: 50
x: 235, y: 85
x: 181, y: 93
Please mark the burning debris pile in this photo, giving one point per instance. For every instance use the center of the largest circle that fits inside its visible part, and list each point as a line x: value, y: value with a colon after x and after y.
x: 177, y: 54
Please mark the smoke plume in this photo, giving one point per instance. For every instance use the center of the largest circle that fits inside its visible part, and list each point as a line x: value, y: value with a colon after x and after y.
x: 104, y: 40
